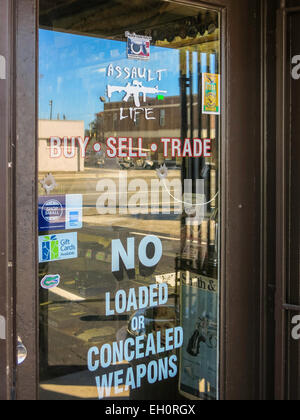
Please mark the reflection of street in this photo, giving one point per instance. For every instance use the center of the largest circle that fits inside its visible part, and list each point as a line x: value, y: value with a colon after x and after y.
x: 73, y: 315
x: 86, y: 184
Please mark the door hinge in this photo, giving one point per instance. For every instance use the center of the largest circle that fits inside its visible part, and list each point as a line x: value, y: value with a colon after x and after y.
x: 2, y: 328
x: 2, y: 68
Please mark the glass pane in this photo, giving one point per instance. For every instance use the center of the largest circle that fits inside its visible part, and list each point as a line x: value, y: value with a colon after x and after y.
x: 129, y: 138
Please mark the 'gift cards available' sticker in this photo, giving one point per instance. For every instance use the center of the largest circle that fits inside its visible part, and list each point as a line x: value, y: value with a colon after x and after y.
x: 58, y: 247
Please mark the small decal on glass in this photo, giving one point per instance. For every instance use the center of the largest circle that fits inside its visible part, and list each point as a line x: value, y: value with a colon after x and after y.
x: 138, y: 47
x: 50, y: 281
x: 58, y: 247
x: 211, y: 94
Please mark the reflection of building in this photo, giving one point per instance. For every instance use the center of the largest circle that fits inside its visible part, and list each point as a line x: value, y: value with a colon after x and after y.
x: 60, y: 129
x: 165, y: 120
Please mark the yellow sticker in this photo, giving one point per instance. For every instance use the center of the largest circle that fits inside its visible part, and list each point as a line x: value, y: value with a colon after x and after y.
x: 211, y: 93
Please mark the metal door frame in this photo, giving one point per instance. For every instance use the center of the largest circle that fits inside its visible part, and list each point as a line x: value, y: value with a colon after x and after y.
x: 242, y: 280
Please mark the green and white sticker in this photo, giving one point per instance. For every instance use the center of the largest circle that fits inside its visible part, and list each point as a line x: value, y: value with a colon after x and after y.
x: 58, y: 247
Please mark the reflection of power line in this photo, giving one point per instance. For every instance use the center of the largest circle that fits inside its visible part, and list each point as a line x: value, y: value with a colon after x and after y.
x: 51, y: 109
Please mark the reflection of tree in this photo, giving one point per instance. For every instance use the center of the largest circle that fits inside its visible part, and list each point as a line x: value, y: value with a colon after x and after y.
x: 95, y: 132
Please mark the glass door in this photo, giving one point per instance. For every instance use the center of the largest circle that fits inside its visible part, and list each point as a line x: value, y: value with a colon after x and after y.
x: 129, y: 203
x: 288, y: 286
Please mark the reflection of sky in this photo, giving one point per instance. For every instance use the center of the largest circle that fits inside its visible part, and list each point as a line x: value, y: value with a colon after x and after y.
x: 73, y: 73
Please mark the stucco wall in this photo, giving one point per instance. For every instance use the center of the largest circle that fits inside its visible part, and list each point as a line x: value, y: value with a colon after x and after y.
x: 61, y: 129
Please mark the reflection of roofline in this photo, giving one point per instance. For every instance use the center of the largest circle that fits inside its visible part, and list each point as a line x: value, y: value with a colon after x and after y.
x: 133, y: 149
x: 165, y: 106
x: 169, y: 102
x: 150, y: 99
x: 61, y: 121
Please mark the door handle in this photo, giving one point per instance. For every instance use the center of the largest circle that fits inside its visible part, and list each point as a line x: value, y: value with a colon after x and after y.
x: 21, y: 352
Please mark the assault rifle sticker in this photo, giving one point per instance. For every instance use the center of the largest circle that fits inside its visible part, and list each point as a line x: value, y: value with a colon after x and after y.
x: 136, y: 89
x: 132, y: 90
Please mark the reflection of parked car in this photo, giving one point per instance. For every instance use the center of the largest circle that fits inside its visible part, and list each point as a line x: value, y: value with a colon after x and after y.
x: 170, y: 164
x: 144, y: 164
x: 138, y: 163
x: 126, y: 163
x: 129, y: 163
x: 93, y: 159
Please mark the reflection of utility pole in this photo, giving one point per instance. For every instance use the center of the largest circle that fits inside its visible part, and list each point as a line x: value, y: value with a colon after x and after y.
x: 184, y: 115
x: 51, y: 109
x: 102, y: 120
x: 193, y: 161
